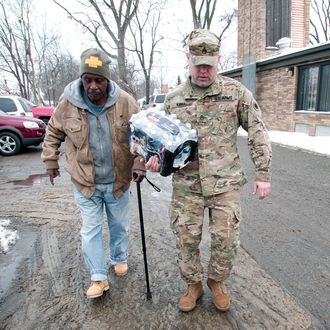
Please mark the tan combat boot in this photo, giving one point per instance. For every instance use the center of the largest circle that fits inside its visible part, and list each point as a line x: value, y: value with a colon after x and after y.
x: 220, y: 294
x: 97, y: 288
x: 188, y: 300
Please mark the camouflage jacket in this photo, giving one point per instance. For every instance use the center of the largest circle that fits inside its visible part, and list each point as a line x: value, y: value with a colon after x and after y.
x: 216, y: 113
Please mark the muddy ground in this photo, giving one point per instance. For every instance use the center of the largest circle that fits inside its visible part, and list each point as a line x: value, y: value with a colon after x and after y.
x: 43, y: 277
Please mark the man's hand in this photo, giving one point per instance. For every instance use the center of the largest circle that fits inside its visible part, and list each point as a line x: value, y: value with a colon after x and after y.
x: 153, y: 164
x: 262, y: 187
x: 53, y: 173
x: 138, y: 175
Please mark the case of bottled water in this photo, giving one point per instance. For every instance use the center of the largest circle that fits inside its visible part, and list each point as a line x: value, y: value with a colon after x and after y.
x: 154, y: 132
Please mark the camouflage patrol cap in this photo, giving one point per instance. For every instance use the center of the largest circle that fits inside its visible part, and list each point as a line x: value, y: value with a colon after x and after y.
x: 204, y: 47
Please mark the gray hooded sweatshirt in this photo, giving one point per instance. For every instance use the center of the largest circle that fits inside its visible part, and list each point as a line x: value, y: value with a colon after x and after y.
x: 99, y: 128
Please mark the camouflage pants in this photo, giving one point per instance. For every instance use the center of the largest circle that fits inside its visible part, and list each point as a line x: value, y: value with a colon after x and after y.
x: 187, y: 217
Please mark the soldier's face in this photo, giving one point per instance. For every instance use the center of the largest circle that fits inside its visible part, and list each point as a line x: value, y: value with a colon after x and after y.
x: 202, y: 75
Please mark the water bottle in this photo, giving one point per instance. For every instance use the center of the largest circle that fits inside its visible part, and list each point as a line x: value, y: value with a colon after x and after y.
x: 157, y: 133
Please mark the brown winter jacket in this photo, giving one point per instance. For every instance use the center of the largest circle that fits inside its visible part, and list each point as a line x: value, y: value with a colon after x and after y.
x: 70, y: 123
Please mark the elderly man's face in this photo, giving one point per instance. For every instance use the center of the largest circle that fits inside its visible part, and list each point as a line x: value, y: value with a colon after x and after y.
x: 202, y: 75
x: 96, y: 88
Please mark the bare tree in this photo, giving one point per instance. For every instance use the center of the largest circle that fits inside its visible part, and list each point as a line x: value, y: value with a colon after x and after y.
x: 68, y: 70
x: 203, y: 15
x: 228, y: 61
x: 145, y: 38
x: 16, y: 42
x: 49, y: 69
x: 104, y: 19
x: 56, y: 71
x: 4, y: 88
x: 225, y: 22
x: 320, y: 23
x: 27, y: 54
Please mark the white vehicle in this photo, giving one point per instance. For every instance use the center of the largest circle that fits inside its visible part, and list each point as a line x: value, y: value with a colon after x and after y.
x: 141, y: 102
x: 15, y: 105
x: 156, y: 101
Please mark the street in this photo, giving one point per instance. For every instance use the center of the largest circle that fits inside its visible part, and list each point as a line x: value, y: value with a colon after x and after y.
x: 288, y: 234
x: 280, y: 279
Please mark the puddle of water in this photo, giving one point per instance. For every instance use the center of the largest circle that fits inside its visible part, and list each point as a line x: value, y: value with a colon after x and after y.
x: 32, y: 180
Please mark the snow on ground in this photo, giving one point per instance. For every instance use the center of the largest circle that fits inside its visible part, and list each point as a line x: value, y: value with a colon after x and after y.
x: 319, y: 144
x: 8, y: 236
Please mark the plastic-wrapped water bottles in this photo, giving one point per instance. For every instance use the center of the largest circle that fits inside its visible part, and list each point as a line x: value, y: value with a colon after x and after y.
x: 156, y: 133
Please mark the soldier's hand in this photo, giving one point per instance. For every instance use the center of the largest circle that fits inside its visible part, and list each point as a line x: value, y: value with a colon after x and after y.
x: 53, y: 173
x: 263, y: 188
x: 153, y: 164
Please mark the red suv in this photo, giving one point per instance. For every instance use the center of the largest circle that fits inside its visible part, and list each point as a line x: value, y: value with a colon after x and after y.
x: 17, y: 132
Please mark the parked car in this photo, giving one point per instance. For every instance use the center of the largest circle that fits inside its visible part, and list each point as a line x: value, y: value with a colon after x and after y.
x: 141, y: 102
x: 41, y: 112
x: 16, y: 105
x: 156, y: 101
x: 17, y: 132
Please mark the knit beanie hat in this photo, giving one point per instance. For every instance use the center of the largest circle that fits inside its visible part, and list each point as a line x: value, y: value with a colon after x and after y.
x: 95, y: 61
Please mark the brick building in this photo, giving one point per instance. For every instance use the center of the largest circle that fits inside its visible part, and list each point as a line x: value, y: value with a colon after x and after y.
x: 290, y: 80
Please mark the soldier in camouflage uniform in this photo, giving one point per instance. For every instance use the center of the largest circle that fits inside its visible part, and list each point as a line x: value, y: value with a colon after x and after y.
x: 216, y: 107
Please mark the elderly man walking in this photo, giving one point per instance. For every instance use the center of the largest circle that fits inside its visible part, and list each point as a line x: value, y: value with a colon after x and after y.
x: 92, y: 116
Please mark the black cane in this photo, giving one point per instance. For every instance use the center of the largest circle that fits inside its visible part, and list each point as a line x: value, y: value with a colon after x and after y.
x: 148, y: 294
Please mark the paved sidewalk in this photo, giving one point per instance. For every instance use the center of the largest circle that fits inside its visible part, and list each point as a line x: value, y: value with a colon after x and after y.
x: 49, y: 284
x: 258, y: 302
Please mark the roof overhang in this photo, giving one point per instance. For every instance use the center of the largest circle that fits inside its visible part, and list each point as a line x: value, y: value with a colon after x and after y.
x: 300, y: 57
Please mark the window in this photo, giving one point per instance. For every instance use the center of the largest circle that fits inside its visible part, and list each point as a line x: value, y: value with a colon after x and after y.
x: 278, y: 21
x: 25, y: 104
x: 313, y: 87
x: 151, y: 99
x: 160, y: 98
x: 7, y: 105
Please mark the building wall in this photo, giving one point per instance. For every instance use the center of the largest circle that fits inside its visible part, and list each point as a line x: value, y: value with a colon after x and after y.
x: 300, y: 10
x: 276, y: 88
x: 314, y: 122
x: 252, y: 28
x: 276, y: 95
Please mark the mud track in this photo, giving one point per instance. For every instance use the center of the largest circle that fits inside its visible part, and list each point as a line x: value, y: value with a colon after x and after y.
x: 45, y: 289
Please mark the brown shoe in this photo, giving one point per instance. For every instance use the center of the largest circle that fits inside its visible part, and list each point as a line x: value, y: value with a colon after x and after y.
x: 220, y: 294
x: 97, y: 288
x: 121, y: 269
x: 188, y: 300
